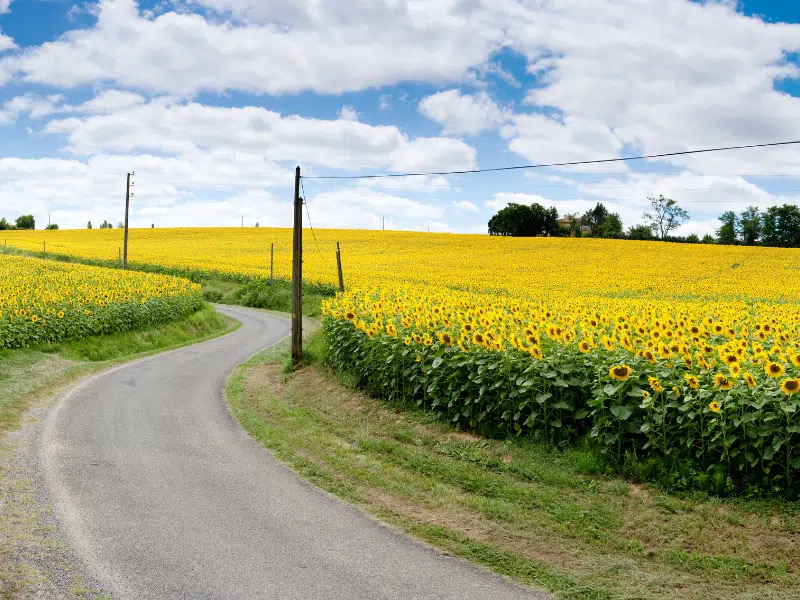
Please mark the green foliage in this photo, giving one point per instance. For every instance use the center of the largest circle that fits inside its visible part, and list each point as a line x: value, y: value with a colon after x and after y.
x: 749, y: 226
x: 52, y: 227
x: 26, y: 222
x: 709, y: 239
x: 105, y: 225
x: 666, y: 216
x: 727, y: 233
x: 4, y: 224
x: 753, y: 440
x: 640, y: 232
x: 611, y: 227
x: 521, y: 220
x: 260, y: 294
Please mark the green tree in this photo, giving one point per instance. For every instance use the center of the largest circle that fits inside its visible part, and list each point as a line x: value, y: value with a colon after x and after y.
x: 692, y: 239
x: 708, y: 239
x: 521, y: 220
x: 594, y: 218
x: 89, y: 225
x: 4, y: 224
x: 666, y: 216
x: 781, y: 226
x: 52, y: 227
x: 26, y: 222
x: 727, y: 233
x: 612, y: 227
x: 640, y: 232
x: 749, y: 226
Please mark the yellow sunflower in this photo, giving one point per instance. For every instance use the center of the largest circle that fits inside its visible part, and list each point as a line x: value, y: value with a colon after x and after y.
x: 774, y: 370
x: 790, y: 386
x: 722, y: 382
x: 620, y: 372
x: 692, y: 380
x: 715, y: 407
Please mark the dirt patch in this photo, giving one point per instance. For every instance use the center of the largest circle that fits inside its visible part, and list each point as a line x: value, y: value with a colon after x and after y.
x: 267, y: 378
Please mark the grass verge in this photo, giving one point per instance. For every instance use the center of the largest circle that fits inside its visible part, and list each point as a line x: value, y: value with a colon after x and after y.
x: 539, y: 516
x: 29, y: 554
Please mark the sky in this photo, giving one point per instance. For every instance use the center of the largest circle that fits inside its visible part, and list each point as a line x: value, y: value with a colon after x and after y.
x: 212, y: 104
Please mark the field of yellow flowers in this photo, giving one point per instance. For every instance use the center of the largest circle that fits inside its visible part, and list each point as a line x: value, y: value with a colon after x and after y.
x: 46, y: 301
x: 688, y: 353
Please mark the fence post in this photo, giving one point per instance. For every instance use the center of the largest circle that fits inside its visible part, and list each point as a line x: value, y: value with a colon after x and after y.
x: 44, y: 245
x: 271, y: 262
x: 339, y: 267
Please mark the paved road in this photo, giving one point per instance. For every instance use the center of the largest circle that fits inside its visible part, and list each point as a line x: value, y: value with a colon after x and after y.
x: 163, y: 495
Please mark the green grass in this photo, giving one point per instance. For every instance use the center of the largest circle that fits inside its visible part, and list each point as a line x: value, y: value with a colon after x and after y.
x: 550, y: 518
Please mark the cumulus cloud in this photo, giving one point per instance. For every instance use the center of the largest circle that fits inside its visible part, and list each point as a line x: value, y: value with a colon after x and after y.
x: 307, y: 44
x: 189, y: 128
x: 4, y: 6
x: 463, y: 113
x: 466, y: 206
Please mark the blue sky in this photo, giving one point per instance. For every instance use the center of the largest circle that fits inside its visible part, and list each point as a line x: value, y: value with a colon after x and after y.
x: 213, y: 102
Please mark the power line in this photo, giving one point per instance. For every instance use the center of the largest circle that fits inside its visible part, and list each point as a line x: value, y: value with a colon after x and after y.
x: 562, y: 164
x: 308, y: 214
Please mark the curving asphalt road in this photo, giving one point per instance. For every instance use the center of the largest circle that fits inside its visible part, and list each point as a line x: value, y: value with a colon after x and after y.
x: 162, y: 495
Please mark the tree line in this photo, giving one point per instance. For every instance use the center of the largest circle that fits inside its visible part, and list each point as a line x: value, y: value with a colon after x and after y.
x: 22, y: 222
x: 523, y: 220
x: 777, y: 226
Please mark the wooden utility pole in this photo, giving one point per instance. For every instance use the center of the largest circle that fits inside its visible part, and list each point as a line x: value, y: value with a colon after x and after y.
x: 297, y: 272
x: 271, y: 262
x: 339, y: 267
x: 125, y: 239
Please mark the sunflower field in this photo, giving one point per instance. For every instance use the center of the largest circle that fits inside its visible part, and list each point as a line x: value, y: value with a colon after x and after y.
x: 675, y: 352
x: 46, y: 301
x: 710, y: 380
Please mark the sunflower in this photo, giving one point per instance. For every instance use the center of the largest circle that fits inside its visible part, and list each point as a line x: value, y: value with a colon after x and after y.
x: 722, y: 382
x: 655, y: 385
x: 735, y: 369
x: 349, y: 316
x: 692, y: 380
x: 61, y: 314
x: 715, y: 407
x: 790, y: 386
x: 774, y: 370
x: 584, y: 346
x: 620, y: 372
x: 749, y: 380
x: 407, y: 341
x: 479, y: 339
x: 796, y: 360
x: 34, y: 318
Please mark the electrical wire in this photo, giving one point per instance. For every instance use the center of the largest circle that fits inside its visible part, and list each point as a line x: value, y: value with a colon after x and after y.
x: 548, y: 165
x: 308, y: 214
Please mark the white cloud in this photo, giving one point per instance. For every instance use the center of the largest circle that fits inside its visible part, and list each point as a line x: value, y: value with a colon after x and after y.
x: 187, y: 129
x: 463, y: 113
x: 34, y: 106
x: 4, y: 6
x: 503, y: 199
x: 466, y: 206
x: 6, y: 43
x: 109, y: 101
x: 348, y: 113
x: 275, y: 47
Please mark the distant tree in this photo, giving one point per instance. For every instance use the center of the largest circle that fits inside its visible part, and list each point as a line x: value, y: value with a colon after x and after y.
x: 4, y: 224
x: 781, y: 226
x: 692, y: 238
x: 521, y: 220
x: 593, y: 219
x: 256, y: 223
x: 666, y: 216
x: 640, y: 232
x: 52, y: 227
x: 152, y: 225
x: 89, y: 225
x: 750, y: 226
x: 708, y: 239
x: 727, y: 233
x: 26, y: 222
x: 106, y: 225
x: 120, y: 225
x: 611, y: 227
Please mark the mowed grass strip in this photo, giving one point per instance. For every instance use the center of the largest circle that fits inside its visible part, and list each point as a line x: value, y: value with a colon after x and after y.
x: 542, y: 517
